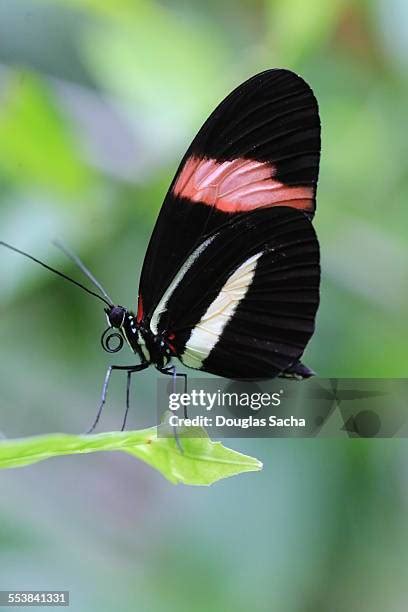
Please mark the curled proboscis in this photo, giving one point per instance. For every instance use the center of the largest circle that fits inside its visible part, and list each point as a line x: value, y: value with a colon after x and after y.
x: 111, y: 341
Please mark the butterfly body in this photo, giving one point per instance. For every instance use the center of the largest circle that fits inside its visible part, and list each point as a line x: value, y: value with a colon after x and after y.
x: 230, y: 280
x: 151, y: 348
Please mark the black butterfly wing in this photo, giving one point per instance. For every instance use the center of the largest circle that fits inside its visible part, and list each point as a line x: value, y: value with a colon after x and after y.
x: 259, y: 148
x: 243, y: 304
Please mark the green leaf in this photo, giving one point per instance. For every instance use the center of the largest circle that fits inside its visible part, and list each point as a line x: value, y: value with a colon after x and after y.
x: 202, y: 461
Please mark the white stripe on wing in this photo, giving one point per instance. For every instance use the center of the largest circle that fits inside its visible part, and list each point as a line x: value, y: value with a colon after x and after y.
x: 208, y: 331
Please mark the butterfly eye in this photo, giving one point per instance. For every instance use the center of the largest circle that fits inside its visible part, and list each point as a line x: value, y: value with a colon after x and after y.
x: 112, y: 342
x: 116, y: 316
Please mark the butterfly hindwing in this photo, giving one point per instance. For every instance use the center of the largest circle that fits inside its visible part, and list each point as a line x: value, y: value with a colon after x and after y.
x: 260, y: 148
x: 243, y: 304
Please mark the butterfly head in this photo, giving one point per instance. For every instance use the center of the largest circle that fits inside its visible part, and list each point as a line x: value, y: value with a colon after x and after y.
x: 112, y: 341
x: 116, y: 316
x: 123, y: 326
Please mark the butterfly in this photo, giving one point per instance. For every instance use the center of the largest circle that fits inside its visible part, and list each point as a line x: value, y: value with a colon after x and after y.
x: 230, y: 280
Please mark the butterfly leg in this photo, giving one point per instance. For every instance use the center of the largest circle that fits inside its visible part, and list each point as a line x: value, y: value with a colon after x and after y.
x: 129, y: 377
x: 130, y: 370
x: 171, y: 371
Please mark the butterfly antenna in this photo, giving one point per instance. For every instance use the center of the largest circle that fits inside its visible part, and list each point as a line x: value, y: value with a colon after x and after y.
x: 74, y: 258
x: 61, y: 274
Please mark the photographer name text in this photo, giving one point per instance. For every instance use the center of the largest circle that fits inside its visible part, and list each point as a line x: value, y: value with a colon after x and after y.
x: 242, y: 423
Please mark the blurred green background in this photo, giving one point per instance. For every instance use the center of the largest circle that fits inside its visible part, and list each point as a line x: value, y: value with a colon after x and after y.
x: 98, y: 102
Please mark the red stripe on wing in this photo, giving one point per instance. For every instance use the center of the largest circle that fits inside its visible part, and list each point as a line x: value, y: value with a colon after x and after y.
x: 240, y: 185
